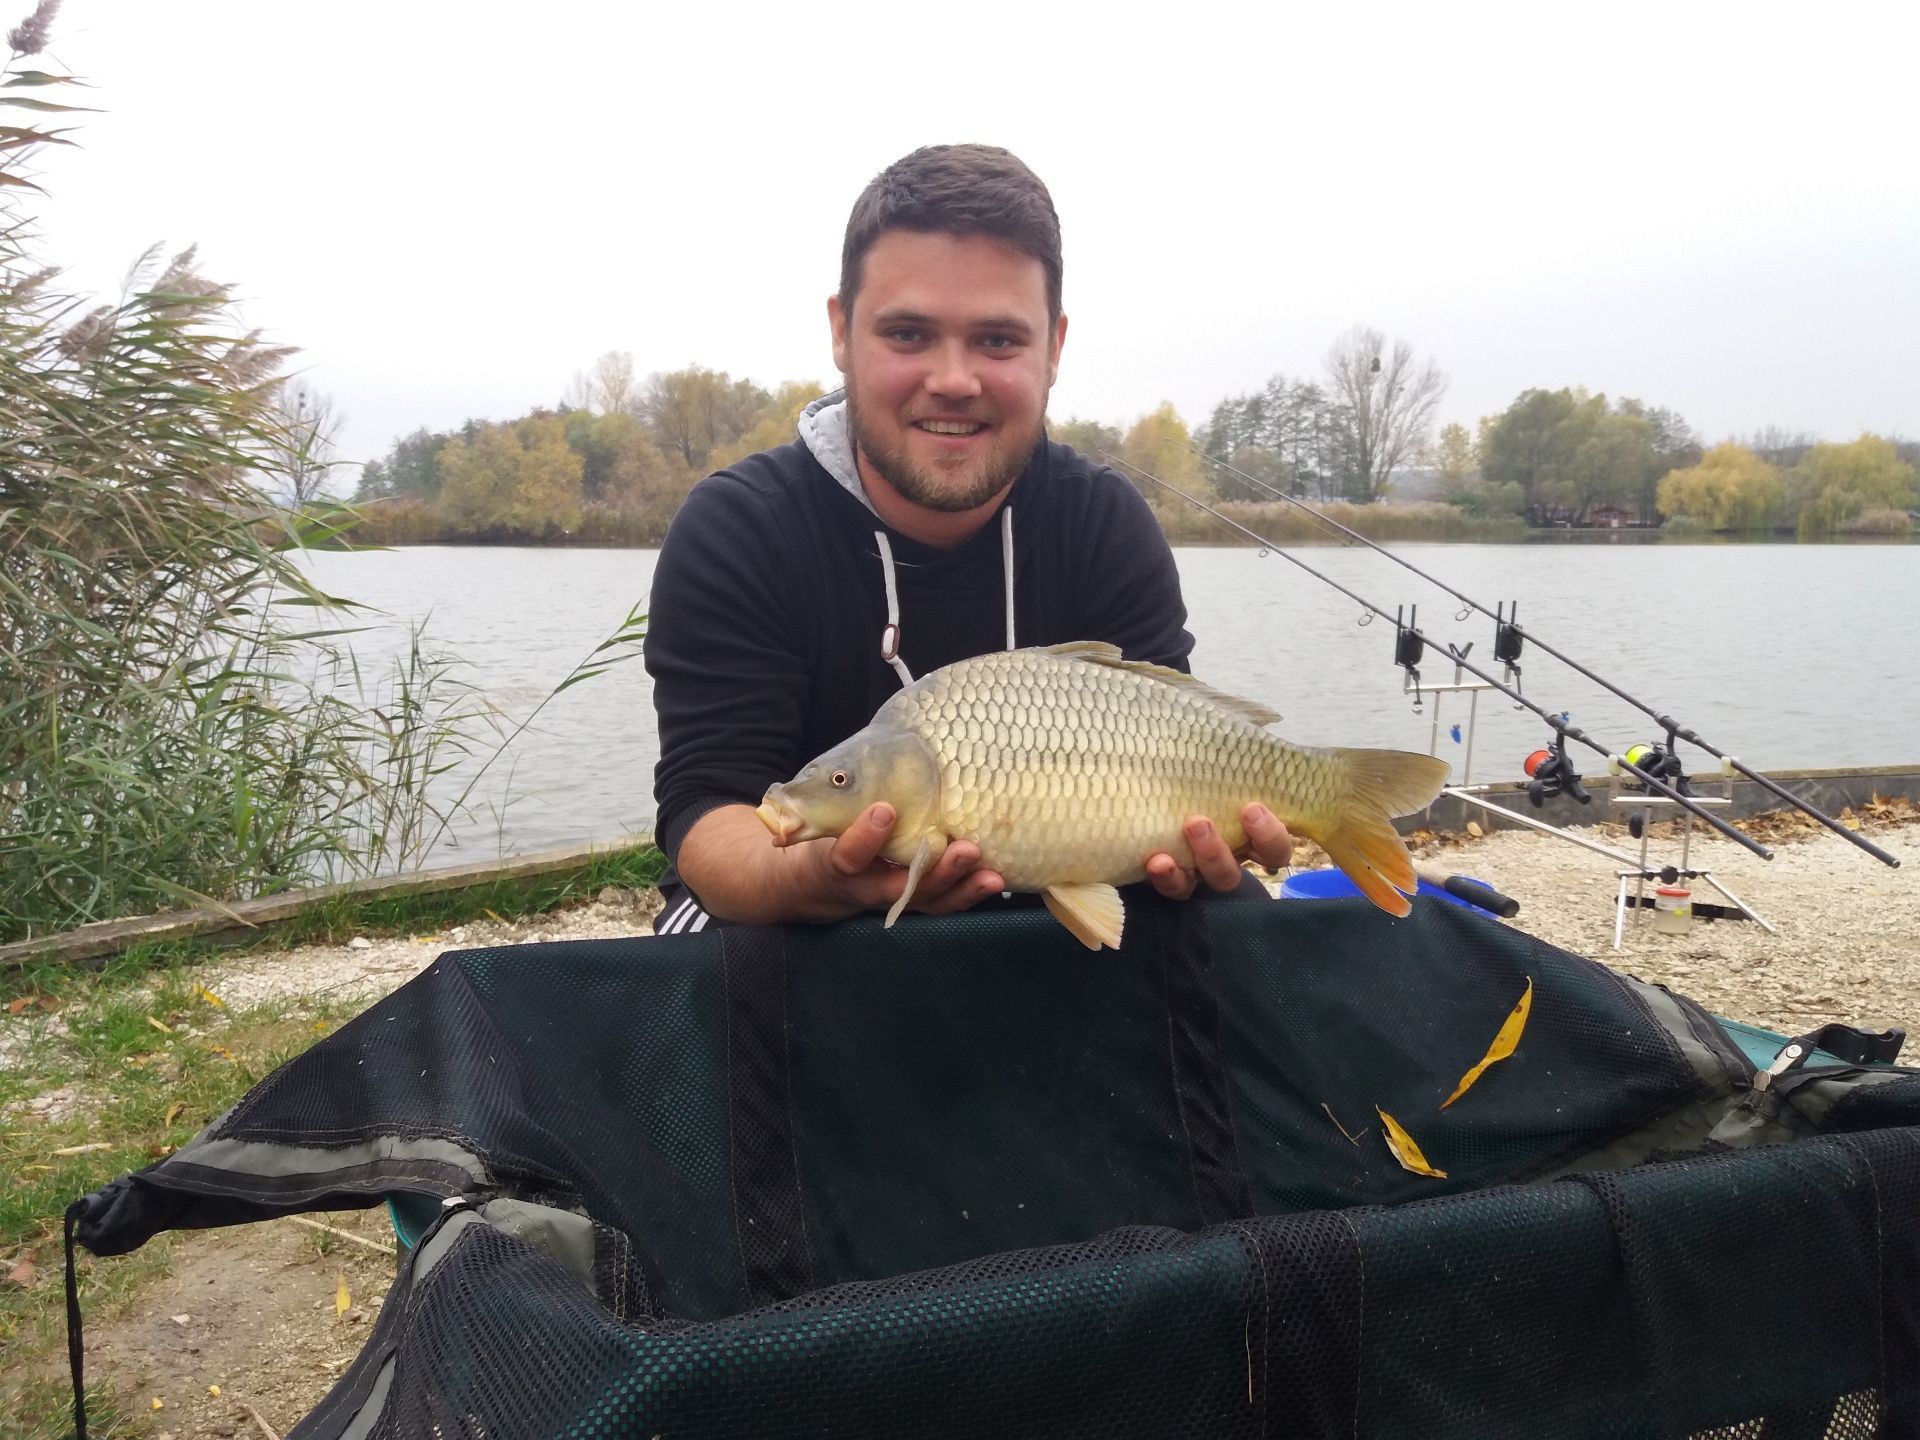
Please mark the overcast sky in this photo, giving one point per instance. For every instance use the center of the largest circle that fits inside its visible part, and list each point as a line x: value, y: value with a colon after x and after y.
x: 452, y: 207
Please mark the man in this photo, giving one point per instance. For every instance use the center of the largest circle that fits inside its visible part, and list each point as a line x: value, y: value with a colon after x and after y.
x: 921, y: 517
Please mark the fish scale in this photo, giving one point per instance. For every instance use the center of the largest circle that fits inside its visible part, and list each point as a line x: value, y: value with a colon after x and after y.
x: 1118, y: 753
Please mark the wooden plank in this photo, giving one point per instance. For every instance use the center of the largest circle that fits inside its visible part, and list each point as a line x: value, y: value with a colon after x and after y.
x: 109, y: 937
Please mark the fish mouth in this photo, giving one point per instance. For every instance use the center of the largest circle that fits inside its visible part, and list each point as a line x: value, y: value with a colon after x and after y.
x: 779, y: 819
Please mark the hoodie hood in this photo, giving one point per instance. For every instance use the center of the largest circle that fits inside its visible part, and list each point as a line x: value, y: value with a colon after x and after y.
x: 825, y: 431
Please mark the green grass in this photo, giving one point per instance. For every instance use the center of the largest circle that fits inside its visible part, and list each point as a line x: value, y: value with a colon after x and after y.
x: 143, y: 1090
x: 43, y: 1410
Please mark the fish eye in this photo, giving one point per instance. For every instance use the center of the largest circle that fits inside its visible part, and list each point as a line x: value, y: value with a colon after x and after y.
x: 839, y: 779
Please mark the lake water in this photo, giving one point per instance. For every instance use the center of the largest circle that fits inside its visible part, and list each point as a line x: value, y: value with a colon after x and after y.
x: 1785, y: 656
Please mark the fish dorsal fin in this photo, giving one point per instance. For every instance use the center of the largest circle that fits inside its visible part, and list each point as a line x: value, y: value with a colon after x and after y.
x: 1098, y: 652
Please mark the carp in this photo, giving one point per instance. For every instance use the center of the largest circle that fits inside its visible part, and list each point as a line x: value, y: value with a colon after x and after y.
x: 1068, y: 766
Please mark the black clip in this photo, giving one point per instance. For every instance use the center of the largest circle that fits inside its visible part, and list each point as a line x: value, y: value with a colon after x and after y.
x: 1845, y: 1043
x: 1408, y: 647
x: 1507, y: 640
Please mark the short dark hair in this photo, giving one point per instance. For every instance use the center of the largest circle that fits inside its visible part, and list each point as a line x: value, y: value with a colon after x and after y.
x: 955, y: 190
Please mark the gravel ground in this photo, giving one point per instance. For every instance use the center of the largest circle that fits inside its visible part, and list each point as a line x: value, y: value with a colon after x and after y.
x: 1848, y: 946
x: 369, y: 968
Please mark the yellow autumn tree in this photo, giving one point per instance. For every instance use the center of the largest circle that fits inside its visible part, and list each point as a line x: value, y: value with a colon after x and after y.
x: 777, y: 422
x: 1833, y: 484
x: 1730, y: 489
x: 512, y: 481
x: 1160, y: 444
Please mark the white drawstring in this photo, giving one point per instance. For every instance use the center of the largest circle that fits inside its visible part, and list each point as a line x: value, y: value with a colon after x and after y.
x: 890, y: 635
x: 1006, y: 563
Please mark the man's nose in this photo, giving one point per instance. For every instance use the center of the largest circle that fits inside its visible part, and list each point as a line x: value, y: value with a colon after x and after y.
x: 953, y: 371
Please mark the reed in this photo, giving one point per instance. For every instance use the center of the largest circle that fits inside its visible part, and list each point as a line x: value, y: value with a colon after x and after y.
x: 181, y: 718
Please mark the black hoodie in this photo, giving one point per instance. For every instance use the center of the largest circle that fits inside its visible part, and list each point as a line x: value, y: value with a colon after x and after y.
x: 769, y: 600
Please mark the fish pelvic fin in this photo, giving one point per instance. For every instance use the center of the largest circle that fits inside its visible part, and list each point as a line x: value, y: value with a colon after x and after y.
x: 915, y: 870
x: 1381, y: 786
x: 1094, y: 913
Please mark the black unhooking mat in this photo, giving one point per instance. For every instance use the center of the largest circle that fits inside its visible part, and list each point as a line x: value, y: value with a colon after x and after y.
x: 966, y: 1178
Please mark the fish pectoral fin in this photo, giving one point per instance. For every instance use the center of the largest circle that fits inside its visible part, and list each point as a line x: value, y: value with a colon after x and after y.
x: 915, y: 870
x: 1094, y: 913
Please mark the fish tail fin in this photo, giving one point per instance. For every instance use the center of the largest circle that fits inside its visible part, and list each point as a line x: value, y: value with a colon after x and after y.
x: 1361, y: 840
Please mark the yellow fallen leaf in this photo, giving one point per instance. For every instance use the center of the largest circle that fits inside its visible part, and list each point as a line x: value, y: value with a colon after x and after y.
x: 425, y: 939
x: 319, y: 1027
x: 491, y: 915
x: 220, y: 1051
x: 173, y: 1112
x: 214, y: 1390
x: 160, y: 1025
x: 341, y: 1299
x: 1473, y: 829
x: 158, y: 1403
x: 1403, y: 1148
x: 211, y: 998
x: 1504, y: 1044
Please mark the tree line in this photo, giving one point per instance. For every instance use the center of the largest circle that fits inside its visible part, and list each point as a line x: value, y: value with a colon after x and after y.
x: 611, y: 462
x: 608, y: 465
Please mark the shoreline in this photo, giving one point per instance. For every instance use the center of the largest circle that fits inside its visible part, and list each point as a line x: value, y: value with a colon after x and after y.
x: 1837, y: 956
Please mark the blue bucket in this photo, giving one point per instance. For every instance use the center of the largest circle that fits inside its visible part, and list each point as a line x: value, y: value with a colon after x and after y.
x: 1331, y: 884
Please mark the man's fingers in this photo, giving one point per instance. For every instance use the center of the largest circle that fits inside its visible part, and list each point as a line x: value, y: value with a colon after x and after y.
x: 1211, y: 855
x: 969, y: 891
x: 863, y: 841
x: 1267, y: 838
x: 1165, y: 874
x: 960, y: 860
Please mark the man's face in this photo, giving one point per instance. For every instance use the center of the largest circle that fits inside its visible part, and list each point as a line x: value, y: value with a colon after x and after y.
x: 948, y: 357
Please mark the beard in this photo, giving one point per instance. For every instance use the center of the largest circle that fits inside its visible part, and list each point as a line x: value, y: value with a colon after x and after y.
x: 947, y: 491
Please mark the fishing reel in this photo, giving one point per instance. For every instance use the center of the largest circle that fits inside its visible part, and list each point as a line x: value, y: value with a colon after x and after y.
x: 1661, y: 763
x: 1549, y: 772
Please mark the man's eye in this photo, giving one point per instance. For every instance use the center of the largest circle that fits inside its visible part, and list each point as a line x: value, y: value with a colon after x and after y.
x: 903, y: 335
x: 999, y: 342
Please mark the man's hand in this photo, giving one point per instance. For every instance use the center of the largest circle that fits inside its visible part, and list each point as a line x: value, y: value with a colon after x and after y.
x: 1267, y: 841
x: 730, y: 862
x: 854, y: 874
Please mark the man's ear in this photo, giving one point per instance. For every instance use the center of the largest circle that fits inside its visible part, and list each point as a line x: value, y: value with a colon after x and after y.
x: 1053, y: 355
x: 837, y: 319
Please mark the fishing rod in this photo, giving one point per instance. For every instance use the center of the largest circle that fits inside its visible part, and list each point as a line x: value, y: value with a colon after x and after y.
x: 1508, y: 637
x: 1562, y: 730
